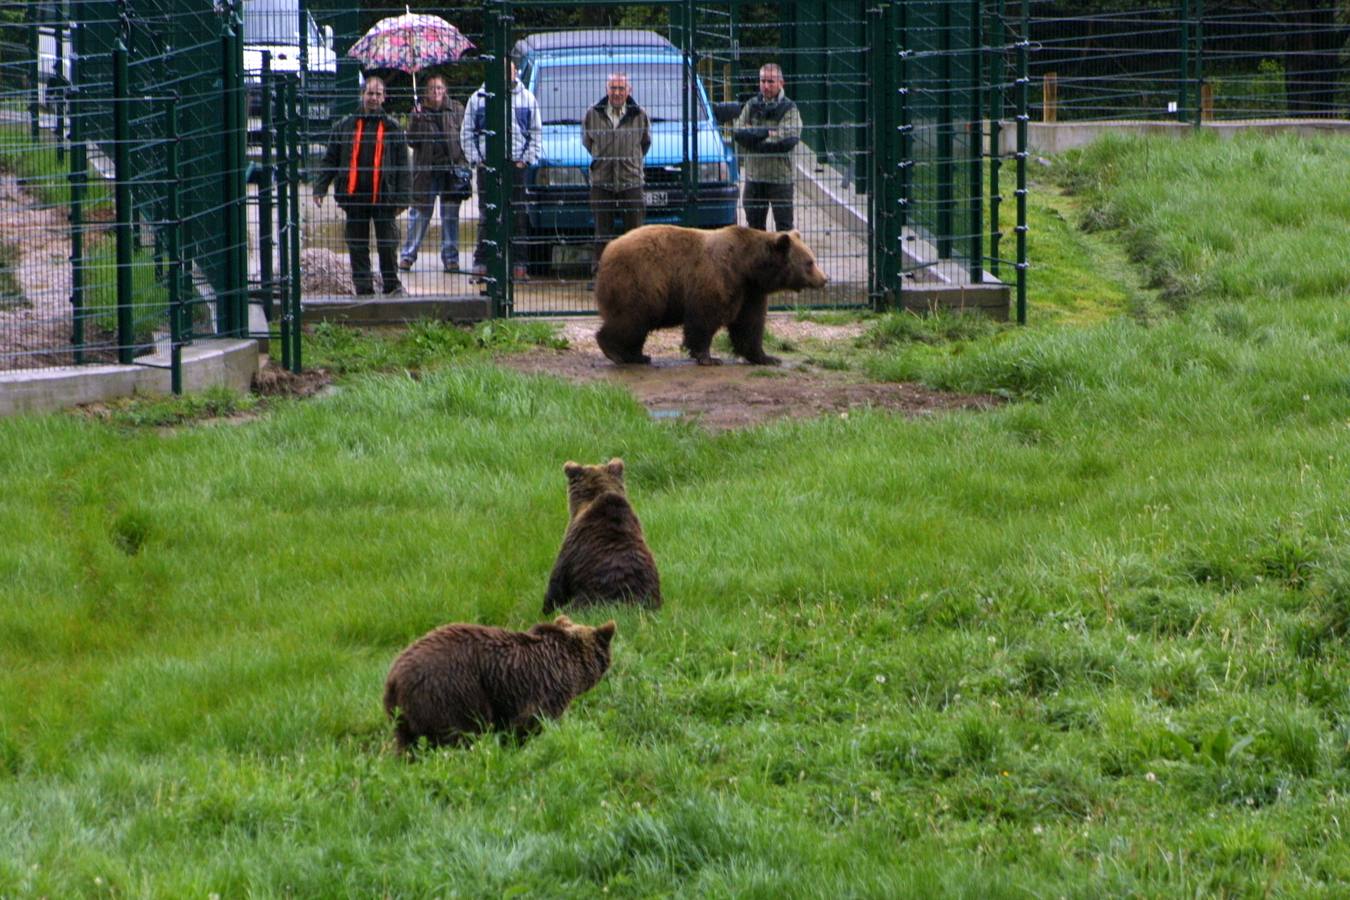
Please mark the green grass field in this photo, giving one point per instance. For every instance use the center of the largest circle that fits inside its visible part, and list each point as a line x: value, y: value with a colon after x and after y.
x: 1091, y: 643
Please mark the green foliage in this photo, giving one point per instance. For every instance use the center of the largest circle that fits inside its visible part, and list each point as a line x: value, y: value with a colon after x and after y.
x: 424, y: 344
x: 159, y: 412
x: 1091, y: 642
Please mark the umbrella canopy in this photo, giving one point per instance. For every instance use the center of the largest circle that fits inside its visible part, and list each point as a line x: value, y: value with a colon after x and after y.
x: 410, y: 43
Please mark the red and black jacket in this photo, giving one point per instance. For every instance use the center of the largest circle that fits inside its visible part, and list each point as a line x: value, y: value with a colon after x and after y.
x: 366, y: 163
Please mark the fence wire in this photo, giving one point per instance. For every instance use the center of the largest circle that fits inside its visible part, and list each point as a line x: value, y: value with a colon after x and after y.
x: 159, y: 161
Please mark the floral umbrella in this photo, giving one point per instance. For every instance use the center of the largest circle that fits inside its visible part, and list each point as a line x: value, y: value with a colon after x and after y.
x: 410, y: 43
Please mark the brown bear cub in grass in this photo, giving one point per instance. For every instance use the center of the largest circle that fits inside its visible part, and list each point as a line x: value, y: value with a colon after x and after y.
x: 462, y: 679
x: 604, y: 557
x: 660, y: 276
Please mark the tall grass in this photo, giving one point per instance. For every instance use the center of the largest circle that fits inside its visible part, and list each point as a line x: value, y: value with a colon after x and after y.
x: 1090, y: 643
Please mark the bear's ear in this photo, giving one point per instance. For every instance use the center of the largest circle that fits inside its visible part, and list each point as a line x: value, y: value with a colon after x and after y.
x: 571, y: 469
x: 563, y: 622
x: 783, y: 243
x: 615, y: 467
x: 605, y: 633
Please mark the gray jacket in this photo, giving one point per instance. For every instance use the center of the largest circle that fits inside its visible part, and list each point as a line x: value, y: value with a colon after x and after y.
x: 616, y: 151
x: 766, y: 132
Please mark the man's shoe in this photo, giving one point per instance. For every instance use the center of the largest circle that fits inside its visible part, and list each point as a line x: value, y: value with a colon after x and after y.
x: 451, y: 268
x: 397, y: 291
x: 405, y: 263
x: 364, y: 290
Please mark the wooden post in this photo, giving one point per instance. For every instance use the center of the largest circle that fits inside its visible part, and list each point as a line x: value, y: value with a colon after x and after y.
x: 1207, y: 102
x: 1050, y: 97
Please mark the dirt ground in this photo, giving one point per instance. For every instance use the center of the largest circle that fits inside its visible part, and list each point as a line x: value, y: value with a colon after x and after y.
x: 734, y: 394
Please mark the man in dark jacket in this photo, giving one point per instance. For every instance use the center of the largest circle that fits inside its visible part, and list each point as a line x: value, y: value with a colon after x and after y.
x: 767, y: 129
x: 440, y: 170
x: 367, y: 164
x: 617, y: 134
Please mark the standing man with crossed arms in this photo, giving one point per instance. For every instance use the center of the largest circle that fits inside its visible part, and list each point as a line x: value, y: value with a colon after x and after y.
x: 767, y: 129
x: 617, y: 134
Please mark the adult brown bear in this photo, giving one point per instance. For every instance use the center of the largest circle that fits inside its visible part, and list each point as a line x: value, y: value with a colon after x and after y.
x: 660, y: 276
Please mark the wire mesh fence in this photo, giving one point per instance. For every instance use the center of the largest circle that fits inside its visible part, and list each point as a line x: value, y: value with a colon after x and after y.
x: 170, y: 171
x: 1192, y: 61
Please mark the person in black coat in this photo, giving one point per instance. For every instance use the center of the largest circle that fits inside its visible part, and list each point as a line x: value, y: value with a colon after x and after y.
x: 367, y: 164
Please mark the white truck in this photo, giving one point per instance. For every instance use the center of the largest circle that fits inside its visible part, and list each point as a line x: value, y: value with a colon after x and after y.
x: 274, y: 26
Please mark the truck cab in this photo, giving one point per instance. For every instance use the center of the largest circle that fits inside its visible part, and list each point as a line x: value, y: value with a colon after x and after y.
x: 274, y: 26
x: 690, y: 170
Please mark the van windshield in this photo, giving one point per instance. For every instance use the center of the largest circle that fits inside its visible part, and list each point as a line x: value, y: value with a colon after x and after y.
x: 566, y: 92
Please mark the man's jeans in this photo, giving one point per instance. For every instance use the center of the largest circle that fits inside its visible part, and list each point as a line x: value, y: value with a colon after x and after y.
x: 419, y: 220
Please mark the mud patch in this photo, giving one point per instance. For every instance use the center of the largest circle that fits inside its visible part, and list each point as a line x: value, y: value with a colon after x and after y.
x: 274, y: 381
x: 737, y: 395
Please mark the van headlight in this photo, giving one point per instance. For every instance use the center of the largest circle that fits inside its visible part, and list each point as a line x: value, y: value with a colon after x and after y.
x: 560, y: 176
x: 713, y: 172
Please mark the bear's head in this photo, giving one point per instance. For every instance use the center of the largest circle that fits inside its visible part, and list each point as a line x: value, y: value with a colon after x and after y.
x: 796, y: 263
x: 585, y: 483
x: 586, y: 645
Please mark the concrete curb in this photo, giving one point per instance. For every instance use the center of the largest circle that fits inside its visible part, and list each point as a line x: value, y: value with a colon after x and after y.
x: 206, y: 363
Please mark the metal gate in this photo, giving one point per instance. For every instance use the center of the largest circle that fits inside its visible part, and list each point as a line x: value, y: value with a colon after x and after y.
x: 893, y: 179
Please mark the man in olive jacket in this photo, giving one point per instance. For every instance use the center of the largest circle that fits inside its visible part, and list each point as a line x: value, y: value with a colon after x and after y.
x: 767, y: 129
x: 440, y: 171
x: 367, y: 164
x: 617, y: 134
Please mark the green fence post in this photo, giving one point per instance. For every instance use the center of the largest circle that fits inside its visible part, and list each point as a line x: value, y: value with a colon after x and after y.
x: 174, y: 248
x: 302, y: 29
x: 877, y: 125
x: 1023, y: 117
x: 946, y: 137
x: 33, y: 72
x: 975, y: 163
x: 79, y: 175
x: 122, y: 202
x: 1199, y: 57
x: 283, y: 173
x: 59, y: 65
x: 496, y: 215
x: 996, y: 75
x: 1184, y: 74
x: 265, y: 173
x: 225, y: 321
x: 240, y: 136
x: 293, y: 226
x: 905, y: 191
x: 689, y: 129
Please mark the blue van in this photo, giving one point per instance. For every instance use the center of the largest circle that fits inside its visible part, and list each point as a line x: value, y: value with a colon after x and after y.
x: 567, y: 73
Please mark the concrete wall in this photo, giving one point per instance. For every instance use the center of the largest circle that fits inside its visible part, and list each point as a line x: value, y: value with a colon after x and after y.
x: 1056, y: 137
x: 208, y: 363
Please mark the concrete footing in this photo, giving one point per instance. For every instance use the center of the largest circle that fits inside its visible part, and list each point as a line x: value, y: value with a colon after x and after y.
x: 206, y: 363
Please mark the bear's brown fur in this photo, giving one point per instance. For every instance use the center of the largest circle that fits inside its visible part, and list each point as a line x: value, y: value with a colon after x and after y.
x: 659, y: 276
x: 604, y: 557
x: 462, y: 679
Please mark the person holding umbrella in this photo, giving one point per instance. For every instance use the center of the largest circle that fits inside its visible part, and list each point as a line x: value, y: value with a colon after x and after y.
x: 367, y: 164
x: 440, y: 171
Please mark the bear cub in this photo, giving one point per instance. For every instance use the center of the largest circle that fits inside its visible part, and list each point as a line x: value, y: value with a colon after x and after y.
x: 462, y: 679
x: 604, y: 557
x: 660, y: 276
